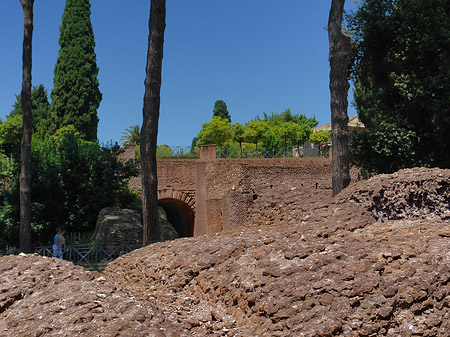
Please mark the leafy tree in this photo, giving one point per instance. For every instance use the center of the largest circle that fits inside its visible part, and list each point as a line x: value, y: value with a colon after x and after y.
x: 7, y: 171
x: 164, y: 151
x: 284, y: 134
x: 157, y: 25
x: 218, y: 131
x: 287, y: 116
x: 280, y: 135
x: 194, y: 144
x: 339, y: 55
x: 379, y: 149
x: 400, y: 69
x: 319, y: 137
x: 302, y: 135
x: 221, y: 110
x: 275, y: 132
x: 72, y: 181
x: 255, y: 131
x: 76, y: 95
x: 238, y: 134
x: 10, y: 136
x: 286, y: 129
x: 131, y: 136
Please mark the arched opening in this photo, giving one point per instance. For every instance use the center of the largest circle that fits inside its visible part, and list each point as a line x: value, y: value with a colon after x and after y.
x: 180, y: 215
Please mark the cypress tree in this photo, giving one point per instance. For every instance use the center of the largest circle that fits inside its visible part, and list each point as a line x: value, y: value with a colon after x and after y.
x: 39, y: 107
x: 221, y: 110
x: 76, y: 95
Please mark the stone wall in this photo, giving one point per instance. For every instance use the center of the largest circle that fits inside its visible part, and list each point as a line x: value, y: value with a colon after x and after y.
x: 242, y: 192
x: 175, y: 174
x: 228, y: 193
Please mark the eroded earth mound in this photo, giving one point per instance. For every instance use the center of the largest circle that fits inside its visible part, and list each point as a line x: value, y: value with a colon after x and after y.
x: 370, y: 263
x: 407, y: 194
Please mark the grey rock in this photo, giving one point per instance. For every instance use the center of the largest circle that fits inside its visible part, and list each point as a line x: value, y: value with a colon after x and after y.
x: 116, y: 225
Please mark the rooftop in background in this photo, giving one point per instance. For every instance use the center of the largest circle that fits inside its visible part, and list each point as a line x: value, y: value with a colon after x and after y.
x: 353, y: 124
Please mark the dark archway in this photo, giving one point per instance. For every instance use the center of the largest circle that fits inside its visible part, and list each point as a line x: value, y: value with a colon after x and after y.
x: 180, y: 215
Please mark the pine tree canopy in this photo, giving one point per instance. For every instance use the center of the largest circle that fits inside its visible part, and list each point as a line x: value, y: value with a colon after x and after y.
x: 39, y: 107
x: 76, y: 95
x: 221, y: 110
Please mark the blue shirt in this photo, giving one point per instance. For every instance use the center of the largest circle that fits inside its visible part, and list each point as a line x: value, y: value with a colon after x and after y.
x: 57, y: 240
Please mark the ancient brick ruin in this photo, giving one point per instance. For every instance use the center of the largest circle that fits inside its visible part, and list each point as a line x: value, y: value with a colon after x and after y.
x: 209, y: 195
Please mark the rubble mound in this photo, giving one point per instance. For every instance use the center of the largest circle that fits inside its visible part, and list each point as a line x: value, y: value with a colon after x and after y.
x: 337, y: 272
x: 407, y: 194
x: 42, y: 296
x: 387, y: 279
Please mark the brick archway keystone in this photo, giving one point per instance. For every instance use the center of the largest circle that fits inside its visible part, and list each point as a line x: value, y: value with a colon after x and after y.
x: 184, y: 196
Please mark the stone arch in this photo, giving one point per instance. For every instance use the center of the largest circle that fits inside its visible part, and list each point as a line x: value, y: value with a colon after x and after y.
x: 180, y: 210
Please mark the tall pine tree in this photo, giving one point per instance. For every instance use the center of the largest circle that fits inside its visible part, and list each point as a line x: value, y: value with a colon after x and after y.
x: 76, y: 95
x: 25, y: 145
x: 221, y: 110
x: 39, y: 107
x: 339, y: 54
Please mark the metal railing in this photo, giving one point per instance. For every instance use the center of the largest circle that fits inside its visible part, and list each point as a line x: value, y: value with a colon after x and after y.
x: 235, y: 152
x: 92, y: 256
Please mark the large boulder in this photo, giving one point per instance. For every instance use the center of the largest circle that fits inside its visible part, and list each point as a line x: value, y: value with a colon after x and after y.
x: 116, y: 226
x: 167, y: 231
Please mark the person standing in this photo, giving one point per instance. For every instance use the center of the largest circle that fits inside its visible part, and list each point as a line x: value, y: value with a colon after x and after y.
x: 57, y: 248
x: 63, y: 242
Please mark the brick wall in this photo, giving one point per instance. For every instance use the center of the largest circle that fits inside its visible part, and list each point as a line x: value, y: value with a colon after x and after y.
x: 237, y: 192
x: 242, y: 192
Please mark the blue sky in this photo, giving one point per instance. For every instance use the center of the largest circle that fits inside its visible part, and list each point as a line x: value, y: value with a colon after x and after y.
x: 256, y: 55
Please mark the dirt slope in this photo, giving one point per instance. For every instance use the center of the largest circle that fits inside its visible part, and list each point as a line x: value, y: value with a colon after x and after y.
x: 346, y: 270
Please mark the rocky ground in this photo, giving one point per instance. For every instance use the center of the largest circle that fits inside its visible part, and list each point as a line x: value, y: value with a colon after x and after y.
x: 374, y: 261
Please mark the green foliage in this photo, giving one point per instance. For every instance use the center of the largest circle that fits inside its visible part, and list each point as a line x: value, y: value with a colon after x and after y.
x: 238, y: 135
x: 286, y: 129
x: 274, y: 132
x: 7, y: 171
x: 255, y: 131
x: 287, y: 116
x: 72, y: 180
x: 400, y: 69
x: 164, y: 151
x: 137, y: 152
x: 76, y: 95
x: 238, y: 132
x: 221, y: 110
x: 386, y: 147
x: 194, y: 145
x: 218, y: 131
x: 303, y: 133
x: 10, y: 136
x: 320, y: 136
x: 284, y: 134
x: 131, y: 136
x: 40, y: 108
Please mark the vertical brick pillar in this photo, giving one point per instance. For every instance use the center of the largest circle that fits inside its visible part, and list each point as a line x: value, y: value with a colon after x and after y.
x: 200, y: 198
x: 207, y: 152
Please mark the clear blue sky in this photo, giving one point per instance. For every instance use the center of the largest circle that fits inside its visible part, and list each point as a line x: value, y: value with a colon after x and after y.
x: 256, y: 55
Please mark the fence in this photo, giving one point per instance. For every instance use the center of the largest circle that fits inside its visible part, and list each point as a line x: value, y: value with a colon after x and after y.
x: 227, y: 151
x: 92, y: 256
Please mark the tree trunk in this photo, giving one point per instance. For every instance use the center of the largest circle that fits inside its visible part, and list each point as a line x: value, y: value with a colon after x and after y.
x: 25, y: 145
x: 340, y: 46
x: 149, y: 130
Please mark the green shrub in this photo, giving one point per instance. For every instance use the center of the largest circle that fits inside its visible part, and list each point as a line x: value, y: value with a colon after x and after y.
x: 72, y: 180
